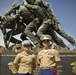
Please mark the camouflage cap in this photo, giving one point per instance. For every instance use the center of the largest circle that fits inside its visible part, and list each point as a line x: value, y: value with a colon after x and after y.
x: 45, y: 37
x: 15, y: 5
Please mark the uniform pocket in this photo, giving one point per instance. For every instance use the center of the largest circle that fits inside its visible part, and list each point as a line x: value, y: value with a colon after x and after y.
x: 50, y: 56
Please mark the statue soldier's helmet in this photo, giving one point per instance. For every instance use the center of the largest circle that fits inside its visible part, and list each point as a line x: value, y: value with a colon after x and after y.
x: 45, y: 37
x: 15, y: 5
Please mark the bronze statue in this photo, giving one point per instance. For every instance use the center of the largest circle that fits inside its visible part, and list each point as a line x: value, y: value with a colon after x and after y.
x: 32, y: 16
x: 45, y: 27
x: 55, y: 24
x: 16, y: 28
x: 16, y: 22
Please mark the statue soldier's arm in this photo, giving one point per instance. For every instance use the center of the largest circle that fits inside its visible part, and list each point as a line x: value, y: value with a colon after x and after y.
x: 10, y: 11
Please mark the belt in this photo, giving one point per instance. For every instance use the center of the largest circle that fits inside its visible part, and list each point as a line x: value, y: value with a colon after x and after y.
x: 45, y: 68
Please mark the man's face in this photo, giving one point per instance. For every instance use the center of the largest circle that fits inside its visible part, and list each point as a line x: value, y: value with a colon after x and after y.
x: 46, y: 43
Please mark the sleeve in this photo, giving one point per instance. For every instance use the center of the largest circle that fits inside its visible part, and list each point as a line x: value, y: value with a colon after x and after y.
x: 57, y: 59
x: 38, y: 59
x: 57, y: 56
x: 9, y: 12
x: 17, y: 59
x: 34, y: 56
x: 34, y: 62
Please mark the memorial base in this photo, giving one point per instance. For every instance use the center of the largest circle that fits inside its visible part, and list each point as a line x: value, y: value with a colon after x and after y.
x: 65, y: 68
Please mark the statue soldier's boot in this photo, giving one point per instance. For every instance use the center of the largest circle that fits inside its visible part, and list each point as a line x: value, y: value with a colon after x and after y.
x: 71, y: 40
x: 66, y: 36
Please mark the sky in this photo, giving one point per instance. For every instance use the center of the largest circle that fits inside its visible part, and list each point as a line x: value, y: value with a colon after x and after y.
x: 64, y: 10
